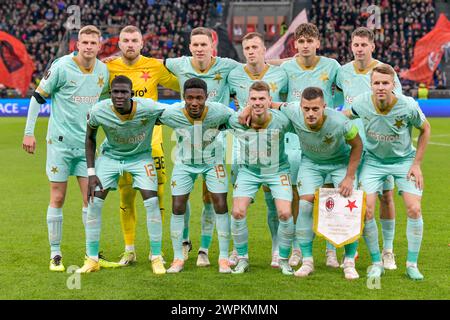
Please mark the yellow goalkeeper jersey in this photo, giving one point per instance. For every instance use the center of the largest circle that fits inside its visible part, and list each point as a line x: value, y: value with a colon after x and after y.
x: 145, y: 74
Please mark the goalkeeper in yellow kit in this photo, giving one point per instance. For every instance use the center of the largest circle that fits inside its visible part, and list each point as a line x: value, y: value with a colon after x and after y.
x: 146, y: 74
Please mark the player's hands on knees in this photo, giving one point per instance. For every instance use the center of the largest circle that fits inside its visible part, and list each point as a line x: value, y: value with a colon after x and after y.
x: 346, y: 186
x: 415, y: 174
x: 29, y: 144
x: 245, y: 116
x: 93, y: 182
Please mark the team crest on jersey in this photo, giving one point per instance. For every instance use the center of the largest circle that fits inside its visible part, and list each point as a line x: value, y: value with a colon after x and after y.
x: 329, y: 204
x: 212, y: 94
x: 324, y: 77
x: 328, y: 139
x: 218, y: 77
x: 399, y: 123
x: 297, y: 94
x: 101, y: 81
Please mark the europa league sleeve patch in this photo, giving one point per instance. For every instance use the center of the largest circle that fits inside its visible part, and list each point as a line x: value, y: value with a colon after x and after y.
x: 47, y: 75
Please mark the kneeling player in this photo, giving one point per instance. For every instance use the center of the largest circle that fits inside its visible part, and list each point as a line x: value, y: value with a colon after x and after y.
x: 128, y: 126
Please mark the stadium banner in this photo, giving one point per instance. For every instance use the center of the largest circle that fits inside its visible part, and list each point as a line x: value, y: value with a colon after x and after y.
x: 338, y: 219
x: 428, y: 52
x: 284, y: 47
x: 19, y: 107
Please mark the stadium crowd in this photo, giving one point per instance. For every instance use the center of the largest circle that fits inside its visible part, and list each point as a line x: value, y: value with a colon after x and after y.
x: 40, y: 25
x: 402, y: 23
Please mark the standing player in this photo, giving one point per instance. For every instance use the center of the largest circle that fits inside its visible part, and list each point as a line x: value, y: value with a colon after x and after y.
x: 331, y: 147
x: 354, y: 79
x: 214, y: 71
x: 196, y: 124
x: 306, y: 70
x: 240, y: 79
x: 146, y: 74
x: 128, y: 126
x: 265, y: 163
x: 388, y: 119
x: 74, y: 83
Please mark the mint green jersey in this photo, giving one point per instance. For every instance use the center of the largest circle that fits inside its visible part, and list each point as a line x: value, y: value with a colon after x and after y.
x: 388, y: 133
x: 353, y: 82
x: 196, y: 138
x: 240, y: 81
x: 327, y: 144
x: 262, y: 151
x: 73, y: 92
x: 126, y: 135
x: 321, y: 75
x: 215, y: 76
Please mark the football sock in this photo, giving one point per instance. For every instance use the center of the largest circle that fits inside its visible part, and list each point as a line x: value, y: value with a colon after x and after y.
x: 239, y: 231
x: 84, y: 215
x: 187, y: 216
x: 223, y: 233
x: 330, y: 246
x: 176, y: 230
x: 93, y: 227
x: 128, y: 213
x: 350, y: 250
x: 161, y: 200
x: 304, y: 227
x: 154, y: 224
x: 370, y: 235
x: 286, y: 233
x: 414, y: 233
x: 388, y: 231
x: 54, y: 225
x: 207, y: 225
x: 272, y: 219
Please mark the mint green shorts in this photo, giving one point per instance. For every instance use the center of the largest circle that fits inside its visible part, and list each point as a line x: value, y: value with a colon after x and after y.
x: 313, y: 175
x: 248, y: 183
x: 374, y: 174
x: 63, y: 161
x: 184, y: 176
x: 141, y: 168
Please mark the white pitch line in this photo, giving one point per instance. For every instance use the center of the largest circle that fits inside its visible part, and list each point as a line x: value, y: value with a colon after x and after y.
x: 440, y: 144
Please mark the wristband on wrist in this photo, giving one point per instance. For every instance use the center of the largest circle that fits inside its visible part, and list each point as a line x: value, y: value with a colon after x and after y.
x: 91, y: 171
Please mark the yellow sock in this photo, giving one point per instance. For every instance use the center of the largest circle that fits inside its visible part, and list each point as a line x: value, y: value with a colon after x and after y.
x: 161, y: 199
x: 127, y: 209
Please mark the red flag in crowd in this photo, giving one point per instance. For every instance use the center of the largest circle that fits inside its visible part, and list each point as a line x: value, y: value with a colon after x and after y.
x: 16, y: 66
x: 284, y: 47
x: 428, y: 52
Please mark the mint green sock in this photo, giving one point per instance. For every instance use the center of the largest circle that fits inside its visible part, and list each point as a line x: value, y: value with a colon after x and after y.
x: 93, y: 226
x: 286, y: 233
x: 176, y: 231
x: 272, y: 219
x: 54, y: 226
x: 84, y: 215
x: 207, y: 225
x: 330, y: 246
x: 414, y: 234
x: 350, y: 250
x: 304, y: 227
x: 388, y: 232
x: 187, y: 216
x: 223, y: 234
x: 154, y: 225
x: 239, y: 232
x: 370, y: 235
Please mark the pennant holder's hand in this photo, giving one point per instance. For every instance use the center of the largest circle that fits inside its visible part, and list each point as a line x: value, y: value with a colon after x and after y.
x: 109, y: 59
x: 93, y: 182
x: 415, y: 174
x: 29, y: 144
x: 346, y: 186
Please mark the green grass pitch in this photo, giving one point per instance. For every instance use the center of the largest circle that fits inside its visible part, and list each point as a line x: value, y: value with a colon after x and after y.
x: 24, y: 245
